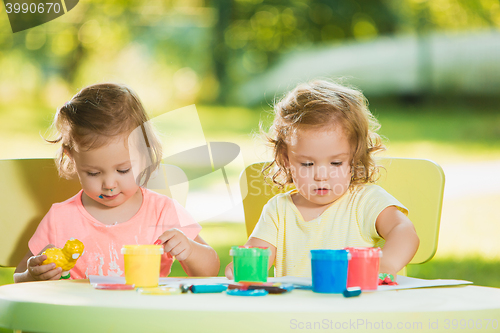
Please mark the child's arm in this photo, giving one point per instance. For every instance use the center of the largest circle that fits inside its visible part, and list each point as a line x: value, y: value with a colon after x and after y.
x: 31, y: 269
x: 196, y: 257
x: 258, y: 243
x: 401, y: 240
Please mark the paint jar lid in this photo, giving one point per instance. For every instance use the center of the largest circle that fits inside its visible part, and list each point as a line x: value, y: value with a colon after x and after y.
x: 326, y: 254
x: 249, y: 251
x: 364, y: 252
x: 142, y: 249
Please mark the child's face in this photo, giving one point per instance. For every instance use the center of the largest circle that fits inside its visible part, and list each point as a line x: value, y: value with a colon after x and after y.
x: 319, y: 160
x: 106, y: 173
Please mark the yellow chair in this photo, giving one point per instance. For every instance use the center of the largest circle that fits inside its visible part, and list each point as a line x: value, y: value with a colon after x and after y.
x: 29, y: 188
x: 416, y: 183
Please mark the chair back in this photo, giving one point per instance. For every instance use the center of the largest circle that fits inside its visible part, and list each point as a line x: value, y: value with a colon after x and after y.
x: 416, y: 183
x: 29, y: 187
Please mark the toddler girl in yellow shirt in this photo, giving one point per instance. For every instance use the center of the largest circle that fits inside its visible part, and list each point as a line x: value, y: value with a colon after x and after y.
x: 323, y: 139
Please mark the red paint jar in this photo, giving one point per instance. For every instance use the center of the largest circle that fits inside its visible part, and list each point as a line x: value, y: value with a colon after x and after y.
x: 363, y: 267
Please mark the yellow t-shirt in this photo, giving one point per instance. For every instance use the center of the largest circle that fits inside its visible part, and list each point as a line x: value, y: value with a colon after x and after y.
x: 349, y: 221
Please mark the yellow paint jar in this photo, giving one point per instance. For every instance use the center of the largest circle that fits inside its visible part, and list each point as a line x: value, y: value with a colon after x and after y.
x: 142, y: 264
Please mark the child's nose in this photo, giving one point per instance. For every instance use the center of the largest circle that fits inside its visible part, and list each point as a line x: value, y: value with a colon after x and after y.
x: 321, y: 173
x: 109, y: 183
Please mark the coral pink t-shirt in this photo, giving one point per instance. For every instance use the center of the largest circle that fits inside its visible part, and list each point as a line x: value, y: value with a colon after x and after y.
x: 102, y: 242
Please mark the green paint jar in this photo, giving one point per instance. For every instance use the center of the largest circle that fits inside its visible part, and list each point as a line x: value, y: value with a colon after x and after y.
x: 250, y: 263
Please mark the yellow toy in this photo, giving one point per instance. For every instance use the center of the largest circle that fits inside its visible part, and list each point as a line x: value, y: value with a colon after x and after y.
x: 66, y: 257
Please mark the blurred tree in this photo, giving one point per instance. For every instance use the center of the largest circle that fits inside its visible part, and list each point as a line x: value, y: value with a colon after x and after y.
x: 199, y: 49
x: 251, y: 35
x: 445, y: 15
x: 423, y: 17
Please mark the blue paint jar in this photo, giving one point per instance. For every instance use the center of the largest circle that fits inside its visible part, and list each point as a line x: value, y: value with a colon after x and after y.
x: 329, y: 270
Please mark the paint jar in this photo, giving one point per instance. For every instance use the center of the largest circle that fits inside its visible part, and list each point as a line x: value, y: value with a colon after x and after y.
x: 250, y: 263
x: 363, y: 267
x: 142, y: 264
x: 329, y: 270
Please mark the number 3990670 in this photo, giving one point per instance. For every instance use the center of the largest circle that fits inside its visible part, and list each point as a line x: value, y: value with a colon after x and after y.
x: 40, y: 8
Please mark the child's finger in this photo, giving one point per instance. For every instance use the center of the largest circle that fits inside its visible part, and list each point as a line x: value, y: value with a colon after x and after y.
x: 37, y: 271
x: 40, y: 269
x: 229, y: 271
x: 167, y: 235
x: 53, y: 274
x: 182, y: 255
x: 171, y: 244
x: 175, y: 252
x: 177, y: 248
x: 36, y: 260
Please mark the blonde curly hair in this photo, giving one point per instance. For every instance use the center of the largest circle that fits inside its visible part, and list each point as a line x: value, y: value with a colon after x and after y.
x: 324, y: 104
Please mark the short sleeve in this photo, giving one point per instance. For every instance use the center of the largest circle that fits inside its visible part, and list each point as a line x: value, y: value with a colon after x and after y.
x: 374, y: 199
x: 184, y: 221
x: 267, y: 227
x: 45, y: 234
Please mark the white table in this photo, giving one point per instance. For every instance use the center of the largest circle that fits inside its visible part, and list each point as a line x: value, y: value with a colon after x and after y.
x: 74, y: 306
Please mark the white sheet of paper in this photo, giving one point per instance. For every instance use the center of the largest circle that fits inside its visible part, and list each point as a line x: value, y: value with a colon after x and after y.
x: 404, y: 282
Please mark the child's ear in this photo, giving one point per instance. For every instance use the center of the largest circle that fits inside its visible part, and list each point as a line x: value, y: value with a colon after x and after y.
x: 67, y: 152
x: 285, y: 159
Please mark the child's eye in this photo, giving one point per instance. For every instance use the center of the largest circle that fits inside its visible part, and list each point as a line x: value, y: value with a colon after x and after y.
x: 124, y: 171
x: 92, y: 174
x: 337, y: 163
x: 308, y: 164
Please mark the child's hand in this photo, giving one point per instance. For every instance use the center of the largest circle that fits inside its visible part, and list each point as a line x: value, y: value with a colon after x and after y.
x: 230, y: 271
x: 386, y: 279
x: 176, y: 243
x: 39, y: 272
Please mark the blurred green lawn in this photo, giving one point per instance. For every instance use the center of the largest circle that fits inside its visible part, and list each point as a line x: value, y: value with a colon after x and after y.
x: 444, y: 131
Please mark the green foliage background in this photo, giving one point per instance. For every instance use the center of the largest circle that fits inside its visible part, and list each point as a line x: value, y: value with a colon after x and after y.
x: 195, y: 51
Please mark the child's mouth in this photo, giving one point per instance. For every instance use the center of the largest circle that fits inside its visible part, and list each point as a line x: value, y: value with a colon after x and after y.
x: 321, y: 191
x: 108, y: 197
